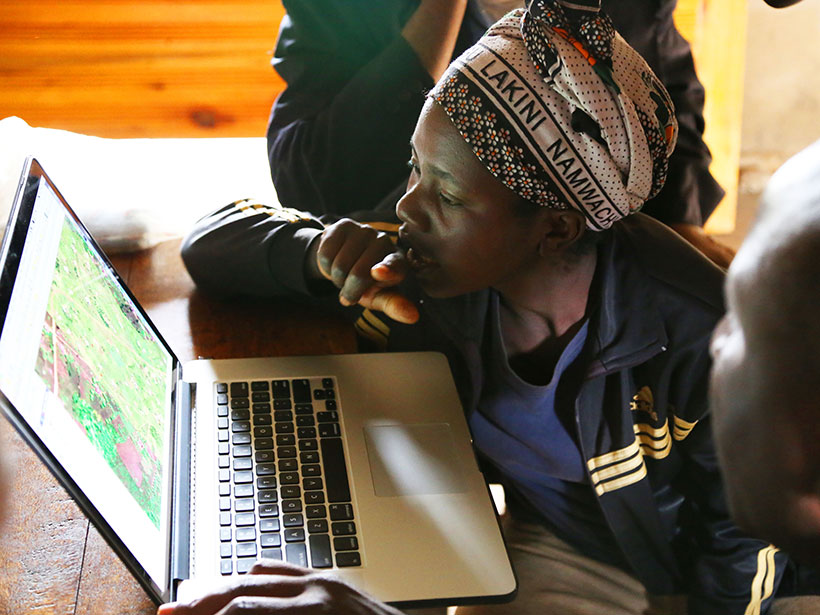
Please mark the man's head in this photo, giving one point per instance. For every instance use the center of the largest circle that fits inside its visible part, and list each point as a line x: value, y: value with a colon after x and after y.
x: 766, y: 376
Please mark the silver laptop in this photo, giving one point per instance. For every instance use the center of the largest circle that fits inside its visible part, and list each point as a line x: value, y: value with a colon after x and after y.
x: 361, y: 464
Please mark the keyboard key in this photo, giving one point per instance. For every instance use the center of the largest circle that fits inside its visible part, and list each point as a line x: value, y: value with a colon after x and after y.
x: 327, y: 417
x: 221, y: 399
x: 239, y: 389
x: 281, y: 389
x: 311, y: 470
x: 224, y: 475
x: 265, y: 469
x: 245, y: 519
x: 260, y: 396
x: 293, y: 520
x: 319, y: 394
x: 304, y: 409
x: 328, y: 383
x: 346, y: 543
x: 263, y: 431
x: 267, y: 497
x: 343, y: 528
x: 225, y: 534
x: 240, y: 415
x: 259, y: 385
x: 221, y: 387
x: 329, y: 430
x: 240, y: 402
x: 316, y: 511
x: 261, y: 409
x: 309, y: 457
x: 305, y: 420
x: 262, y: 444
x: 245, y: 534
x: 222, y: 423
x: 320, y: 556
x: 330, y: 404
x: 241, y: 438
x: 272, y: 553
x: 242, y: 464
x: 333, y: 461
x: 224, y: 461
x: 262, y: 419
x: 226, y: 549
x: 291, y: 491
x: 244, y: 505
x: 240, y: 426
x: 226, y: 566
x: 266, y: 541
x: 224, y: 489
x: 301, y: 391
x: 223, y: 448
x: 283, y: 416
x: 284, y: 427
x: 222, y: 411
x: 224, y: 503
x: 296, y: 553
x: 282, y: 404
x: 245, y: 564
x: 314, y: 497
x: 286, y: 451
x: 341, y: 512
x: 242, y: 451
x: 291, y: 506
x: 348, y: 558
x: 266, y: 482
x: 308, y: 445
x: 317, y: 526
x: 224, y: 518
x: 306, y: 432
x: 286, y: 439
x: 289, y: 478
x: 242, y: 477
x: 269, y: 510
x: 264, y: 456
x: 312, y: 484
x: 246, y: 549
x: 295, y: 534
x: 269, y: 525
x: 243, y: 491
x: 288, y: 465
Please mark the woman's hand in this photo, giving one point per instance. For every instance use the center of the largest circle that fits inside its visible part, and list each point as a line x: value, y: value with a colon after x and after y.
x: 277, y: 587
x: 364, y: 264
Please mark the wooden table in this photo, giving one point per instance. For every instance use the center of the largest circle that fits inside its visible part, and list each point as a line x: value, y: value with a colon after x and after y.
x: 52, y: 560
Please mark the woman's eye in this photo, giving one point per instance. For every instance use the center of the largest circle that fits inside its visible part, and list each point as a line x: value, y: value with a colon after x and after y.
x: 446, y: 200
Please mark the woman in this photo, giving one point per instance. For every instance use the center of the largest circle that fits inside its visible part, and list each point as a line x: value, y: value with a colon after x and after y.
x: 576, y: 331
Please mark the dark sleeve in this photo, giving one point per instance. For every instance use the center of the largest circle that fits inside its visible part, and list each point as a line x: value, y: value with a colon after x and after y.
x: 732, y: 573
x: 338, y: 135
x: 247, y: 248
x: 690, y: 194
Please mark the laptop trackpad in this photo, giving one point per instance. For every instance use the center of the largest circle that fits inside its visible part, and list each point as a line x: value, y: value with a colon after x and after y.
x: 413, y: 460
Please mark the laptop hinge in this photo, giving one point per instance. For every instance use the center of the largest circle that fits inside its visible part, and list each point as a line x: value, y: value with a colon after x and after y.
x: 181, y: 524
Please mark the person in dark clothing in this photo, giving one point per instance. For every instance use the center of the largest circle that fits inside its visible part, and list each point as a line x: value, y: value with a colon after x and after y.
x: 577, y: 329
x: 357, y: 73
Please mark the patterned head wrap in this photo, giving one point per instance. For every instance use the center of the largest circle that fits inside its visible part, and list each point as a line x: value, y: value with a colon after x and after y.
x: 563, y: 111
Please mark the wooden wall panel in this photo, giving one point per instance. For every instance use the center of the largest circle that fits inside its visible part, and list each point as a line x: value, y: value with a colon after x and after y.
x: 122, y: 68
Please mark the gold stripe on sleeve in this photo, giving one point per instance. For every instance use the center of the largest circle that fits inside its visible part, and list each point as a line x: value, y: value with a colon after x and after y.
x: 612, y: 457
x: 763, y: 582
x: 376, y: 322
x: 369, y: 332
x: 655, y: 441
x: 682, y: 428
x: 623, y: 481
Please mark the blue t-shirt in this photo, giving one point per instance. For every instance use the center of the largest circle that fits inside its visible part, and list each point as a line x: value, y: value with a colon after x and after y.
x: 532, y: 440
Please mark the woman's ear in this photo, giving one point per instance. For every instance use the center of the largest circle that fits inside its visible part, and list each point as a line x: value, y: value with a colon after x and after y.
x: 561, y: 230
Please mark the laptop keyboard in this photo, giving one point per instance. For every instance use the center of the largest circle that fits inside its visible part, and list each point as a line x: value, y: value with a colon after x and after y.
x: 283, y: 486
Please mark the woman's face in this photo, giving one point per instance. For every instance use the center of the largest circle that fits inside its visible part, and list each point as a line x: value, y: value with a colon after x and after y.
x: 464, y: 230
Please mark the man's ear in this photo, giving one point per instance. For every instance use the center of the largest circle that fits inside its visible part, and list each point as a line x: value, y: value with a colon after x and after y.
x: 560, y: 230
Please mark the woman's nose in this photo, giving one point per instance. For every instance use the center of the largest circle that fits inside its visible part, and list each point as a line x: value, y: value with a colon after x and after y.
x: 410, y: 208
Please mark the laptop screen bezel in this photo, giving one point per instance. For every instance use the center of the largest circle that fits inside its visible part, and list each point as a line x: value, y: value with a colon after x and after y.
x: 10, y: 255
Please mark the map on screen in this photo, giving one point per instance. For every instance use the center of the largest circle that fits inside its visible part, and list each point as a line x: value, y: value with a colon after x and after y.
x: 107, y: 368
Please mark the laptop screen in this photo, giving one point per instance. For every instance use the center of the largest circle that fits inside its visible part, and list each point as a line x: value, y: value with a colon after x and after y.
x: 80, y: 363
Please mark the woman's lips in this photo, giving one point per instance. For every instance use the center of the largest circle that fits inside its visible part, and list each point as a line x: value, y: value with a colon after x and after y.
x: 418, y: 261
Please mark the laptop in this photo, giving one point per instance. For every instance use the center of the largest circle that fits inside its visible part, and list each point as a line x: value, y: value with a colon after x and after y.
x: 359, y: 464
